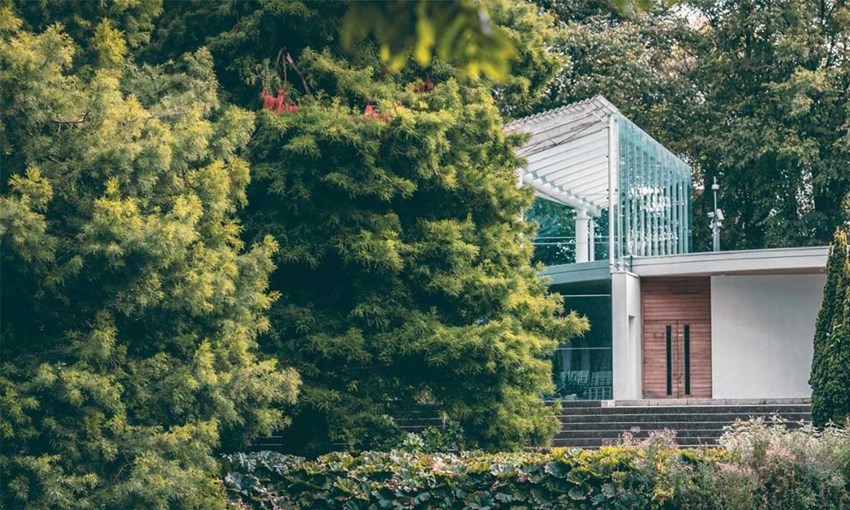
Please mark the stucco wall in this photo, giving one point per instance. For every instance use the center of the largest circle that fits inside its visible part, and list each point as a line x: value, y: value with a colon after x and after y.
x: 762, y: 330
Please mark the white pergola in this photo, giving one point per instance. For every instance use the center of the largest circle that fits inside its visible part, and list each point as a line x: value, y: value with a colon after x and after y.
x: 589, y: 157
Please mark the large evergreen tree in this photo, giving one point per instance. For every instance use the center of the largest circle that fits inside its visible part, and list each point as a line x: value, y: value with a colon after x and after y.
x: 830, y: 378
x: 404, y: 265
x: 130, y: 306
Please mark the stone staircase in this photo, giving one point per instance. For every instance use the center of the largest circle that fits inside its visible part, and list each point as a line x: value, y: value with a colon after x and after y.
x: 697, y: 422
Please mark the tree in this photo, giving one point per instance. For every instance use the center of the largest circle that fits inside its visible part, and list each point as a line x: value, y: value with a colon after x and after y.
x: 131, y: 308
x: 774, y: 129
x: 404, y: 270
x: 830, y: 376
x: 751, y: 92
x: 640, y: 61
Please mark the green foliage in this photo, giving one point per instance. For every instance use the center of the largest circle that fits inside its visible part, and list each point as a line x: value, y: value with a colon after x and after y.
x: 760, y: 468
x: 247, y: 39
x: 81, y: 20
x: 773, y: 467
x: 458, y: 33
x: 447, y: 438
x: 830, y: 377
x: 774, y: 124
x: 131, y: 308
x: 639, y: 62
x: 404, y: 262
x: 752, y: 92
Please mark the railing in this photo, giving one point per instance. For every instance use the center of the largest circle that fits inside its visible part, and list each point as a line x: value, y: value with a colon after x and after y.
x: 553, y: 250
x: 583, y: 373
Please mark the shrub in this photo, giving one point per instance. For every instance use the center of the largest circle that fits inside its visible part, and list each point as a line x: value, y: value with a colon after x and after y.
x: 796, y: 468
x: 830, y: 376
x: 759, y: 466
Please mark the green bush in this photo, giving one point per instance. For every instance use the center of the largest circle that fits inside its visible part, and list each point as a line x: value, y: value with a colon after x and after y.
x: 758, y: 466
x: 830, y: 378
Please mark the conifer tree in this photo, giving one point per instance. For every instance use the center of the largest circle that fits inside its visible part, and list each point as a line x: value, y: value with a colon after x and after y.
x: 130, y: 306
x: 830, y: 378
x: 406, y: 288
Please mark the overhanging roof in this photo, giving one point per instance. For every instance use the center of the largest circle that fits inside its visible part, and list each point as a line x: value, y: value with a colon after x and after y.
x: 766, y: 261
x: 810, y: 259
x: 567, y: 154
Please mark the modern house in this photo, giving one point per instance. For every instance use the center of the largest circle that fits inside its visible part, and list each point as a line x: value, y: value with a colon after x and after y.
x: 666, y: 322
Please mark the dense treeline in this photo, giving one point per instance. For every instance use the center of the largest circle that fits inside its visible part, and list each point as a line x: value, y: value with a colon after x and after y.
x: 755, y: 93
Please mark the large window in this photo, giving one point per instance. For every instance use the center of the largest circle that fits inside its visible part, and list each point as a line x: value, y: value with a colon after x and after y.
x: 582, y: 369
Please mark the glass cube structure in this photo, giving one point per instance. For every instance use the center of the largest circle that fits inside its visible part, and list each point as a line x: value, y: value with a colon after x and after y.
x: 590, y: 157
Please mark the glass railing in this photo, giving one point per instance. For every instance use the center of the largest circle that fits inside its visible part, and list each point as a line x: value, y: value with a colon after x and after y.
x: 562, y: 250
x: 582, y: 373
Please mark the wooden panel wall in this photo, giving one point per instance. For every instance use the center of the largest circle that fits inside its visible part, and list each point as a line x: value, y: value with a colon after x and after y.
x: 676, y: 302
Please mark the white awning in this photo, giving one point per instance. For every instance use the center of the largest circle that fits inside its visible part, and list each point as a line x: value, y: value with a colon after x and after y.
x: 567, y: 154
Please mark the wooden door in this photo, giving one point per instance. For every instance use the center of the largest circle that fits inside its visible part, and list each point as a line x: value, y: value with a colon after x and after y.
x: 676, y: 338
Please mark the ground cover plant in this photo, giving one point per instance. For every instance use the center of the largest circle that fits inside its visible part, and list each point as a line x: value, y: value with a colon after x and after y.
x: 758, y: 466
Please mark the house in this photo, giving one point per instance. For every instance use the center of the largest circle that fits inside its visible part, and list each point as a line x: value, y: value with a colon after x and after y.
x: 666, y: 322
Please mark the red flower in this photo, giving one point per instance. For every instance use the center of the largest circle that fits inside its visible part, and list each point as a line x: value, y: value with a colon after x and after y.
x: 372, y: 113
x: 268, y: 100
x: 278, y: 103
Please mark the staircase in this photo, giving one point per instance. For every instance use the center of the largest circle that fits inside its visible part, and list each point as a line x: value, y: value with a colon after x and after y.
x: 697, y: 422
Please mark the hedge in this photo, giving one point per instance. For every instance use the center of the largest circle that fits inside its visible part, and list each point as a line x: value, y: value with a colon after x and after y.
x: 758, y: 467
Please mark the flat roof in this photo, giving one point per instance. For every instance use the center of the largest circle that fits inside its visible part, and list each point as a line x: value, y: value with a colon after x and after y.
x: 768, y: 261
x: 559, y: 274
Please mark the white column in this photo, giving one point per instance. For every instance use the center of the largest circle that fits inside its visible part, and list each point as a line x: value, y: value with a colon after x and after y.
x: 591, y: 246
x: 626, y: 328
x: 613, y: 191
x: 582, y: 253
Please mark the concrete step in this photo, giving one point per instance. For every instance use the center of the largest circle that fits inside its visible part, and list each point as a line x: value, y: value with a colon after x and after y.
x: 597, y: 443
x: 614, y: 434
x: 695, y: 422
x: 747, y: 409
x: 579, y: 404
x: 673, y: 417
x: 675, y: 425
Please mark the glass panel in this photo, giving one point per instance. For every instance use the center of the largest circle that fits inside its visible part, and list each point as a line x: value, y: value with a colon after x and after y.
x: 583, y: 373
x: 655, y: 201
x: 554, y: 242
x: 582, y: 368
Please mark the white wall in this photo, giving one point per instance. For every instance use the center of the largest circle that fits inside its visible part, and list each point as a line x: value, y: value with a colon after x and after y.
x: 626, y: 334
x: 761, y: 334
